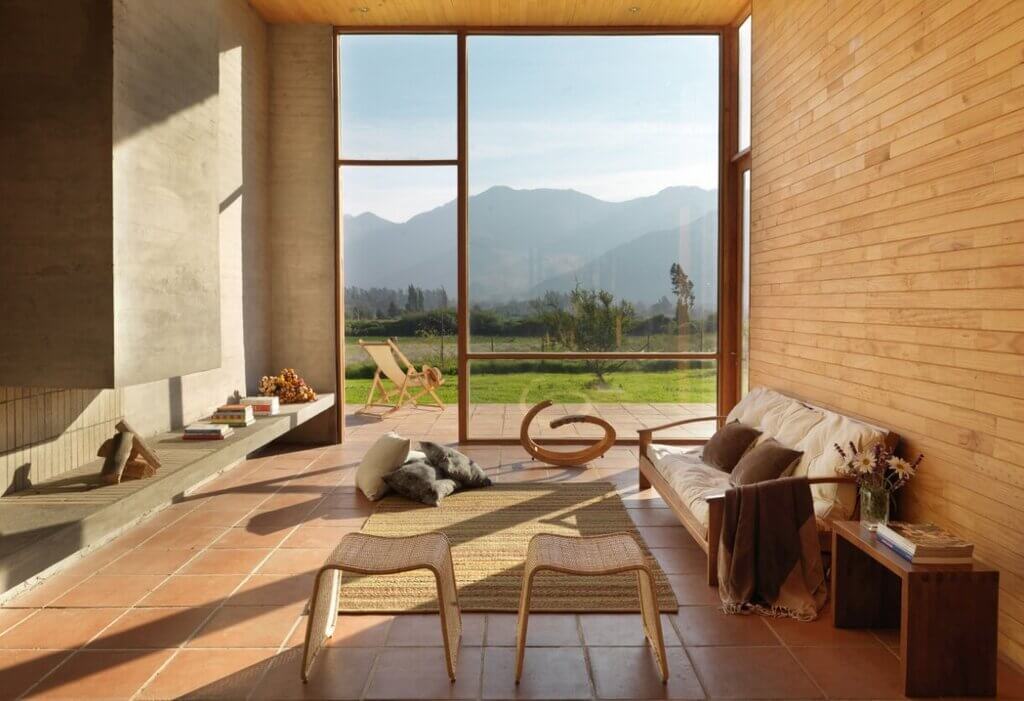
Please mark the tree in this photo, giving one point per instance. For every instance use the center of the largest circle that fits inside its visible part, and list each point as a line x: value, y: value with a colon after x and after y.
x: 392, y: 309
x: 592, y: 322
x: 682, y: 286
x: 443, y: 298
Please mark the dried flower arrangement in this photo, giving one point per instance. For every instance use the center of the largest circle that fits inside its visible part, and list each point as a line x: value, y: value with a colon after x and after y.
x: 287, y: 386
x: 877, y: 467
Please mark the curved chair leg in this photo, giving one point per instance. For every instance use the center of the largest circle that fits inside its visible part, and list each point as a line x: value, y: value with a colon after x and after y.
x: 651, y: 617
x: 523, y: 622
x: 451, y: 618
x: 323, y: 616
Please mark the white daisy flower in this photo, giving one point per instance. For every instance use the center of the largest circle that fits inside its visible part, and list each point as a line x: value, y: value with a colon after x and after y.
x: 901, y: 467
x: 864, y: 463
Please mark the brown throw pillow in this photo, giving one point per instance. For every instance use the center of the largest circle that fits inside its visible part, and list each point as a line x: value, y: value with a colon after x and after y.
x: 764, y: 462
x: 724, y: 449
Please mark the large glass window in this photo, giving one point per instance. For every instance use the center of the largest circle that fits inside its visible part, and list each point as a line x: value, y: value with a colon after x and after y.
x: 398, y: 105
x: 591, y: 257
x: 745, y: 277
x: 397, y: 97
x: 593, y: 216
x: 744, y: 84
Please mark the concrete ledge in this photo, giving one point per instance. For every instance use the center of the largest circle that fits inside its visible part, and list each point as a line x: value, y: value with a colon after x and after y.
x: 54, y: 520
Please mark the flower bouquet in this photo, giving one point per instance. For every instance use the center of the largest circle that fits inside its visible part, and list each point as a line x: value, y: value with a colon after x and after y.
x: 288, y: 386
x: 879, y: 473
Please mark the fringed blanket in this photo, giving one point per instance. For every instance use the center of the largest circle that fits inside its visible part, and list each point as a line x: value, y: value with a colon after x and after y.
x: 769, y: 560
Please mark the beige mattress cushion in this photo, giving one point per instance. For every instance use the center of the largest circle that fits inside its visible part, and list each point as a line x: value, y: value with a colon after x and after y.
x: 833, y: 501
x: 795, y: 425
x: 689, y: 478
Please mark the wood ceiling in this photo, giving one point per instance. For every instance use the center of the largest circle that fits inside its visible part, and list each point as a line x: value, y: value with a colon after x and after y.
x: 502, y: 13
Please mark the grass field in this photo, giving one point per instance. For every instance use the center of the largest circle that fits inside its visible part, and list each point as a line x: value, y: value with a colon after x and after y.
x: 671, y: 386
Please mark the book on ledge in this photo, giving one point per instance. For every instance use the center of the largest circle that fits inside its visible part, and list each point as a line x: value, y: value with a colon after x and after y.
x: 263, y: 406
x: 925, y: 543
x: 239, y: 415
x: 204, y: 431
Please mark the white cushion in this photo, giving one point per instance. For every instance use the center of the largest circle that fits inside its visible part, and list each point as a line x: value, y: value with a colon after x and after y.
x: 690, y: 478
x: 751, y: 409
x: 384, y: 457
x: 820, y: 459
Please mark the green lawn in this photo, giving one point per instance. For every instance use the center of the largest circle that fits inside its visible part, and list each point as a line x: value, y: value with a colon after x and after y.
x: 672, y: 386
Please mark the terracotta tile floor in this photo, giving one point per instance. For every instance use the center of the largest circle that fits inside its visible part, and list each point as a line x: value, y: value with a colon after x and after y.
x: 205, y: 600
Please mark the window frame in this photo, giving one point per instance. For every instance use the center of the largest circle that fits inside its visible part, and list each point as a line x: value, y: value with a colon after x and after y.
x: 726, y: 354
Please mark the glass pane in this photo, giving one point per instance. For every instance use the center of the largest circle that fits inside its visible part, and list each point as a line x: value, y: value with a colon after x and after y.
x: 744, y: 84
x: 398, y: 96
x: 745, y: 313
x: 629, y: 395
x: 593, y: 164
x: 400, y: 272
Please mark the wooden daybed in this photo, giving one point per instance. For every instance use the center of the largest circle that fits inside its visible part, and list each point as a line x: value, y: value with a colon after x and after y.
x: 696, y: 492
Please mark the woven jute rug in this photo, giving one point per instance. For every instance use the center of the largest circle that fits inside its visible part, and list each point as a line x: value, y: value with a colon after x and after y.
x: 489, y: 530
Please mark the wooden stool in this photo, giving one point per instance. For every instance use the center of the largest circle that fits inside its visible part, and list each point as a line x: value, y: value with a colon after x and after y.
x: 369, y: 554
x: 592, y: 555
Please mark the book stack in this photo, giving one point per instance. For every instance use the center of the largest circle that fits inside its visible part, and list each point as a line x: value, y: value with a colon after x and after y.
x: 207, y: 432
x: 263, y: 406
x: 925, y: 544
x: 237, y: 415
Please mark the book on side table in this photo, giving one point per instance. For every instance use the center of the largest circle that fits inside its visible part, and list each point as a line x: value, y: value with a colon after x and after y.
x: 925, y: 544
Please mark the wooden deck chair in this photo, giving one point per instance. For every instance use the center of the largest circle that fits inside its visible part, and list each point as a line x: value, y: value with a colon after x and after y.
x: 410, y: 384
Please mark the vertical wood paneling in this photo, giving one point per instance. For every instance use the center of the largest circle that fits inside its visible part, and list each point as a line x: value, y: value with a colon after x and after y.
x: 887, y: 238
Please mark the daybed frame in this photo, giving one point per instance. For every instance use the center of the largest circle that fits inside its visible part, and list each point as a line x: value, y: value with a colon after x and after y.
x: 650, y: 477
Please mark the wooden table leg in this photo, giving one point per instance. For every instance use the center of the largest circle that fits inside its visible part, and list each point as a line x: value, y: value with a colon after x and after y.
x: 948, y: 636
x: 864, y: 593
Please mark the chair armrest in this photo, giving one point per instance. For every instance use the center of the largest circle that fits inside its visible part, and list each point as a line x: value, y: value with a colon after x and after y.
x: 838, y: 479
x: 647, y: 434
x: 652, y: 429
x: 717, y: 496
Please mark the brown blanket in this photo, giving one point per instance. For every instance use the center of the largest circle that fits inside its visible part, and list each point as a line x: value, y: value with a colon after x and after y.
x: 769, y: 560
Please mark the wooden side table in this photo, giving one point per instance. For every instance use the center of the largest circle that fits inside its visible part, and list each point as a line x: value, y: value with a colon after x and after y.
x: 947, y: 614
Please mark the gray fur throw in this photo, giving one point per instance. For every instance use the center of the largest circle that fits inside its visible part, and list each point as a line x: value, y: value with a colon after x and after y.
x: 455, y: 466
x: 420, y: 482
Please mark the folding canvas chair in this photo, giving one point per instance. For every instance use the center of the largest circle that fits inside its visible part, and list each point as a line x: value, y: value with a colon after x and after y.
x: 410, y: 384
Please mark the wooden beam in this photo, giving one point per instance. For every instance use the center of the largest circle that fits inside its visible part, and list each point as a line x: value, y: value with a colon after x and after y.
x: 462, y: 310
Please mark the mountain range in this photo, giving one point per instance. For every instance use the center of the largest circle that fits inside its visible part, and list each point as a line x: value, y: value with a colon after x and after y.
x: 526, y: 242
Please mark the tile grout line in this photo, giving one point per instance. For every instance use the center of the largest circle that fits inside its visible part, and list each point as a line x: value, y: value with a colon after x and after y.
x: 689, y: 658
x: 75, y: 651
x: 224, y: 599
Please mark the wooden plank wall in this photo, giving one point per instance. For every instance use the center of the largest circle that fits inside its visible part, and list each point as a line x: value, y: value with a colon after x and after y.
x: 887, y: 243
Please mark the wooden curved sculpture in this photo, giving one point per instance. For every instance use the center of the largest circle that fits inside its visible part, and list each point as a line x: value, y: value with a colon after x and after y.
x: 577, y: 457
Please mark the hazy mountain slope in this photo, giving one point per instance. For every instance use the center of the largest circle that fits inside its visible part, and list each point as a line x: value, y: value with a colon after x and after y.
x: 639, y: 270
x: 519, y: 238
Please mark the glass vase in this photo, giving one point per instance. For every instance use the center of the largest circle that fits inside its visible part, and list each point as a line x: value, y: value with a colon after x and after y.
x: 874, y: 507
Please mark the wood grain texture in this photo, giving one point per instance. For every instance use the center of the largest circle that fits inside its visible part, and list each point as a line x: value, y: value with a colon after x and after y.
x: 887, y: 244
x: 483, y: 13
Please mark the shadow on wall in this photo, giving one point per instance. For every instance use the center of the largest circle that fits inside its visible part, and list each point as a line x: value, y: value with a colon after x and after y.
x: 244, y: 205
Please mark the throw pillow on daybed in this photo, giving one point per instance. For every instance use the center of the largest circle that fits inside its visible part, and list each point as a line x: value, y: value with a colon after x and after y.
x: 384, y: 457
x: 767, y: 461
x: 724, y: 449
x: 420, y: 482
x: 456, y: 466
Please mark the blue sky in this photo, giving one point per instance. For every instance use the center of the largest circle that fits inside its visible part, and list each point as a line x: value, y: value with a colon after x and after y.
x: 614, y: 117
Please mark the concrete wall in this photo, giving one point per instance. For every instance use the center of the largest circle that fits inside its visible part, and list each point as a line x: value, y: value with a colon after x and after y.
x: 165, y: 237
x: 56, y: 261
x: 44, y: 432
x: 242, y: 247
x: 302, y: 163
